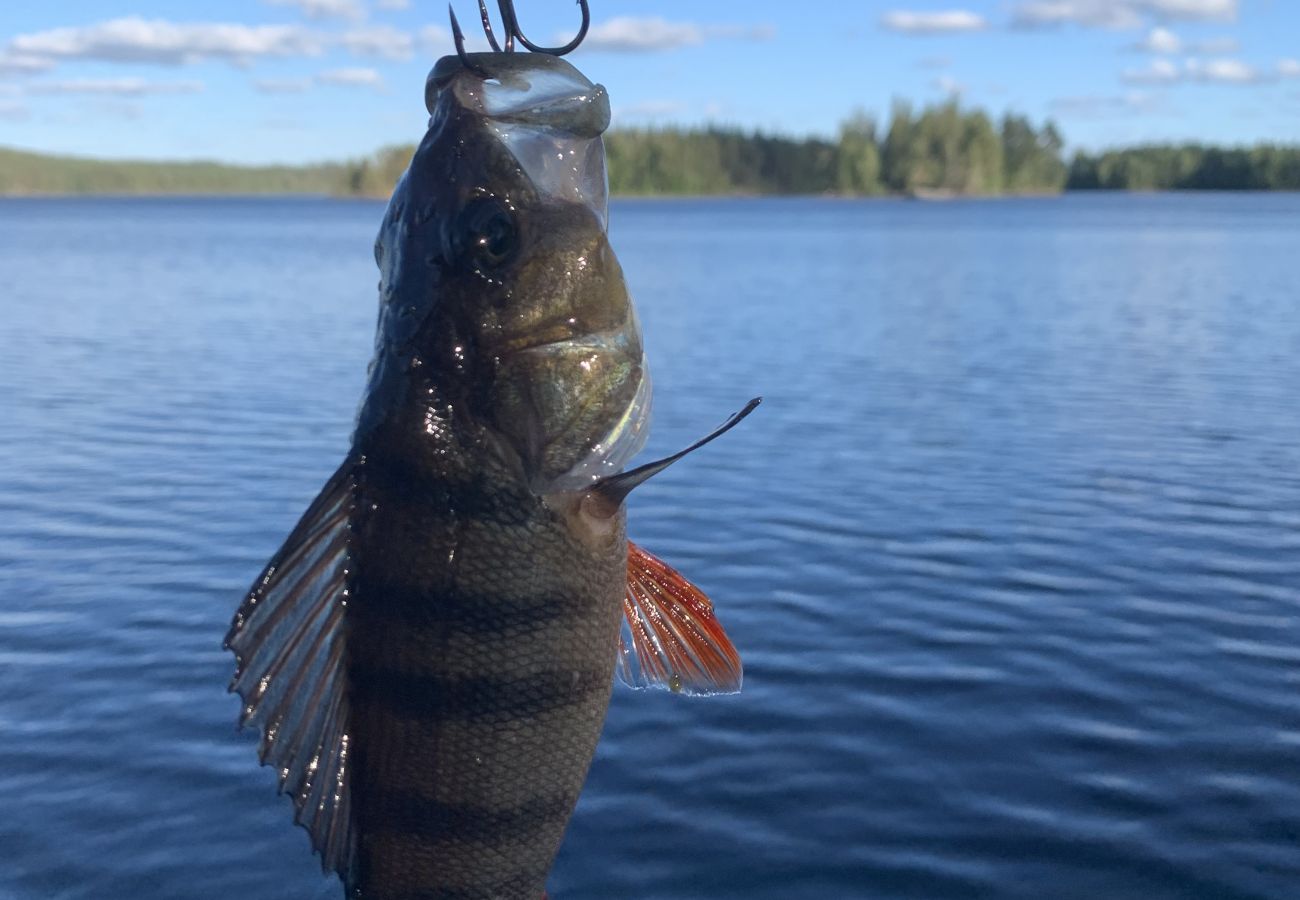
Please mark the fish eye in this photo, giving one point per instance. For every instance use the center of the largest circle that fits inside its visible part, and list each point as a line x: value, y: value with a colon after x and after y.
x: 487, y: 233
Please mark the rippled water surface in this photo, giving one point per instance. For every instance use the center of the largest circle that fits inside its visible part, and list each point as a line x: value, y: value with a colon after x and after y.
x: 1012, y: 551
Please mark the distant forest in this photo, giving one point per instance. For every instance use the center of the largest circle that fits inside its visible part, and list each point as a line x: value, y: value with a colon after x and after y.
x: 941, y: 150
x: 37, y: 173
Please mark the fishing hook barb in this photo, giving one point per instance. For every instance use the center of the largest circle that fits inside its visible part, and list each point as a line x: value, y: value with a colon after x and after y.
x: 510, y: 25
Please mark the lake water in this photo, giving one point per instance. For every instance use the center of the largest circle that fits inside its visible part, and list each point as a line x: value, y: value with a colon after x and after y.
x: 1012, y: 550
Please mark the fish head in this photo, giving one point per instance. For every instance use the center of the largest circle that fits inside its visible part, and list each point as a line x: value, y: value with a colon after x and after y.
x: 499, y: 286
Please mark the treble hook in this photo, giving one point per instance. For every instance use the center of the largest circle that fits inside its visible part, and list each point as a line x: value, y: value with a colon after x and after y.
x: 510, y: 25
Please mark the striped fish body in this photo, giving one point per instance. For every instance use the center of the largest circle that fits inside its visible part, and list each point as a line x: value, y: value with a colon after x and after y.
x: 431, y: 652
x: 480, y: 663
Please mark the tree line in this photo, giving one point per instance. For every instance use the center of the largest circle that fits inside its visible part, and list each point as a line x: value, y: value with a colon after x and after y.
x: 941, y: 150
x: 38, y: 173
x: 1266, y: 167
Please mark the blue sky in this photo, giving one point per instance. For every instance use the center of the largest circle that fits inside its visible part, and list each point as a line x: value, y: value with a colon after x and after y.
x: 301, y: 80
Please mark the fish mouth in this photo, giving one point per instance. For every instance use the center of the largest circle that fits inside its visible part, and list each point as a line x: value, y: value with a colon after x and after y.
x: 532, y: 89
x: 540, y: 108
x: 555, y: 336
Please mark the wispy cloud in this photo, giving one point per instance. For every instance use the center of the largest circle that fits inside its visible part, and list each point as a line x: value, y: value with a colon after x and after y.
x: 941, y: 22
x: 1213, y: 46
x: 1289, y: 68
x: 18, y: 63
x: 352, y: 77
x: 631, y: 34
x: 120, y: 87
x: 134, y: 40
x: 1104, y: 106
x: 345, y: 77
x: 1219, y: 71
x: 1224, y: 71
x: 380, y: 41
x: 1160, y: 40
x: 281, y: 85
x: 393, y: 5
x: 1158, y: 71
x: 325, y: 9
x: 1165, y: 42
x: 1120, y: 14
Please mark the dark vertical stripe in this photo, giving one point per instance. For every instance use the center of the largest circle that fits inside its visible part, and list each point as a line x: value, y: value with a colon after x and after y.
x: 482, y: 698
x: 524, y: 887
x: 471, y: 612
x: 406, y: 814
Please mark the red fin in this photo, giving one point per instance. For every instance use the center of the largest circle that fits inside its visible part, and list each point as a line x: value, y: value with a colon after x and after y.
x: 675, y: 640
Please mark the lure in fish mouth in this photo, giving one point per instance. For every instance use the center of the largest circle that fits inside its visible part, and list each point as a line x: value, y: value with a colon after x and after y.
x: 430, y: 653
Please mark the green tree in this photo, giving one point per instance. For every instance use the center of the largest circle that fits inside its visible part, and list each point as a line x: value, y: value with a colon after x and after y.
x: 857, y: 158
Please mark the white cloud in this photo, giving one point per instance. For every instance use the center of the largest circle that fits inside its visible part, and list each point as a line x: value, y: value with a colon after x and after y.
x: 23, y: 65
x: 1159, y: 71
x: 158, y: 41
x: 942, y: 22
x: 120, y: 87
x: 630, y: 34
x: 1193, y: 10
x: 1091, y: 13
x: 627, y: 33
x: 1163, y: 41
x: 136, y: 40
x: 1160, y: 40
x: 1224, y: 71
x: 1121, y: 14
x: 380, y: 41
x: 1219, y: 71
x: 352, y: 77
x: 393, y: 5
x: 325, y: 9
x: 281, y: 85
x: 1289, y: 68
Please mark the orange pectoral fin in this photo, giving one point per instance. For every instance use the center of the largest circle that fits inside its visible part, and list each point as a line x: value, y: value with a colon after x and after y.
x: 675, y: 640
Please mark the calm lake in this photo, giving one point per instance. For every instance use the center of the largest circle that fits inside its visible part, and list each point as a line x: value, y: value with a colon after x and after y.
x: 1011, y: 551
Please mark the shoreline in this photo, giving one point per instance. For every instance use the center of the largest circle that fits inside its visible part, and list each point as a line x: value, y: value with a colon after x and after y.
x: 636, y: 198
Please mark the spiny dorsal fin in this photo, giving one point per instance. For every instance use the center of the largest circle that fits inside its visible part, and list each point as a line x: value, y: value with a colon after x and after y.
x: 671, y: 638
x: 288, y: 642
x: 608, y: 493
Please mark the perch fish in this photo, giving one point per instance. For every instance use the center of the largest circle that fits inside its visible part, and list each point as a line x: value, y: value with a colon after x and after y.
x: 430, y: 654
